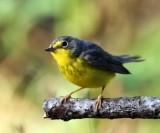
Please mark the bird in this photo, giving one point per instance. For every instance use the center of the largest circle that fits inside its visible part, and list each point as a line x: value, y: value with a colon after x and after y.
x: 87, y: 65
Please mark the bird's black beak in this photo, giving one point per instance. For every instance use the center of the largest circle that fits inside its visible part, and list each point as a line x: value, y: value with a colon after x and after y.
x: 50, y: 49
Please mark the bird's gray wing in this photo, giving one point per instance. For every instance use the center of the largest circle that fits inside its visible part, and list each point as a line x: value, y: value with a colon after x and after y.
x: 99, y: 58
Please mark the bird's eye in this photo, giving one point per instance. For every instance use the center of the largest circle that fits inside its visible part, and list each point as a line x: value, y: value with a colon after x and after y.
x: 64, y: 44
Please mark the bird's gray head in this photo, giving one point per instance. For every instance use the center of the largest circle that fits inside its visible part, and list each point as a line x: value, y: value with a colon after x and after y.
x: 66, y: 43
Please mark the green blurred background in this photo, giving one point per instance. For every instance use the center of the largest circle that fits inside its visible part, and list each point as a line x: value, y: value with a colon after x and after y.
x: 28, y: 74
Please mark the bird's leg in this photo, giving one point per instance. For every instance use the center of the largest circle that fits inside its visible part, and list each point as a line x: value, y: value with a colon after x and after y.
x: 98, y: 101
x: 63, y: 99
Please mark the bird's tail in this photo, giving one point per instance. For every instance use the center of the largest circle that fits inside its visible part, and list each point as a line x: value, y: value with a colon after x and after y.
x: 127, y: 58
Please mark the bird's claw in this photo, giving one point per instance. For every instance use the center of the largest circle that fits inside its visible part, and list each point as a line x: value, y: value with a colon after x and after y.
x: 63, y: 99
x: 98, y: 103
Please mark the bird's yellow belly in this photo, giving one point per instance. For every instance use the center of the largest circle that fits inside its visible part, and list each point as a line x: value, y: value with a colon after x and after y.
x: 85, y: 75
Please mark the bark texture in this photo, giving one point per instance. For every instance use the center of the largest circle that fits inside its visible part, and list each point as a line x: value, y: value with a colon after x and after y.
x: 112, y: 108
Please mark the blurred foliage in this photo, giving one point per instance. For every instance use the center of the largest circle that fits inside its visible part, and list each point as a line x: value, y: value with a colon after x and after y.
x: 28, y: 75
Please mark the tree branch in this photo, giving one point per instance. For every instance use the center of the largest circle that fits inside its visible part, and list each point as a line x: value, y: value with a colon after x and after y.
x: 112, y: 108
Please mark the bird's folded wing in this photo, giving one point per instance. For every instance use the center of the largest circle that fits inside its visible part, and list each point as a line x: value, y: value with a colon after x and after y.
x: 103, y: 60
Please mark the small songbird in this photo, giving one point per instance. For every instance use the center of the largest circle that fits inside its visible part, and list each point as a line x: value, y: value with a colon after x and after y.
x: 86, y: 64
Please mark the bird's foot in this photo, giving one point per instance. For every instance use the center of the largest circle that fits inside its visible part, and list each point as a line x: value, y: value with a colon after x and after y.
x: 98, y: 103
x: 63, y: 99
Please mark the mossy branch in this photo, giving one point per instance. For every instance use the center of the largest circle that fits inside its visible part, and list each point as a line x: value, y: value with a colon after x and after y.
x: 112, y: 108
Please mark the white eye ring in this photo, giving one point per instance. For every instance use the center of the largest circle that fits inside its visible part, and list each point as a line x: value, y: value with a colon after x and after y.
x: 64, y: 44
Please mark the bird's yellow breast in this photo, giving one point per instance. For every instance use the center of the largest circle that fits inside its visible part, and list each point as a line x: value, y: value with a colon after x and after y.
x: 79, y: 72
